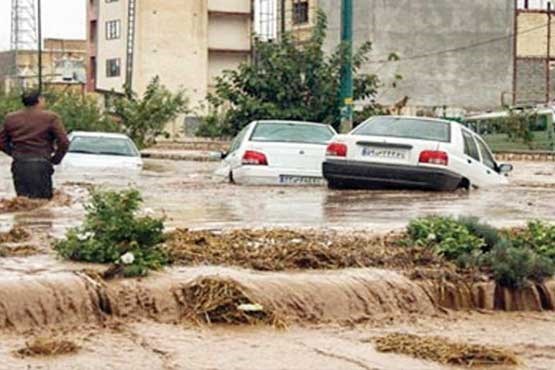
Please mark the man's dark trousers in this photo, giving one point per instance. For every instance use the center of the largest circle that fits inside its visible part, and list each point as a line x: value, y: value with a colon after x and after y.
x: 32, y: 177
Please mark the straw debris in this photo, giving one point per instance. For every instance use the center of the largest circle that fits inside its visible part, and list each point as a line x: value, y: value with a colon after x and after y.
x: 23, y: 204
x: 44, y: 346
x: 214, y: 300
x: 15, y: 235
x: 445, y: 352
x: 282, y: 249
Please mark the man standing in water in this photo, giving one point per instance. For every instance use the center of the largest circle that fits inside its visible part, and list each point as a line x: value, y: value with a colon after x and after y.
x: 36, y: 140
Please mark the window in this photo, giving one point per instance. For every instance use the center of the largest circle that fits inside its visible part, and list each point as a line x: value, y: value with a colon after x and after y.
x: 487, y: 158
x: 113, y: 30
x: 285, y: 132
x: 300, y: 12
x: 533, y: 4
x: 410, y: 128
x: 102, y: 145
x: 113, y: 67
x: 236, y: 143
x: 470, y: 147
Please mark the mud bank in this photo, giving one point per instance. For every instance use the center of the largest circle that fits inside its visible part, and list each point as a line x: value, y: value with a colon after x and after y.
x: 347, y: 296
x: 344, y: 297
x: 490, y: 296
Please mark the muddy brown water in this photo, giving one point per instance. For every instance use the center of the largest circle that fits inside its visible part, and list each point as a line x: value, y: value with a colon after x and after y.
x: 40, y: 292
x: 190, y: 196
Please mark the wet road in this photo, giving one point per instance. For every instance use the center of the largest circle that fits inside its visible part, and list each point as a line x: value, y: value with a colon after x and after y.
x: 190, y: 196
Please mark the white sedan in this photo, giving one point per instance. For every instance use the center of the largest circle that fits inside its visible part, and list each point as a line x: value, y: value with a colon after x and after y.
x: 100, y: 151
x: 278, y: 153
x: 411, y: 152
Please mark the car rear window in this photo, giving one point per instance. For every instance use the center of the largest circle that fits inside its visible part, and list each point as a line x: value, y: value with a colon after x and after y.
x: 292, y: 133
x: 103, y: 146
x: 410, y: 128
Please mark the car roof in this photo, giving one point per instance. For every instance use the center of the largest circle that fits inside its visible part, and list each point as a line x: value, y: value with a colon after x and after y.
x: 99, y: 134
x: 292, y: 122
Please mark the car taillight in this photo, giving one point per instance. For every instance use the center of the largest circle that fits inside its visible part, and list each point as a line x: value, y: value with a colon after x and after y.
x: 336, y: 150
x: 434, y: 157
x: 253, y: 158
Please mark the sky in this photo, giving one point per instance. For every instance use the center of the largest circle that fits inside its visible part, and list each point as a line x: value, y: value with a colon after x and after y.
x: 61, y: 19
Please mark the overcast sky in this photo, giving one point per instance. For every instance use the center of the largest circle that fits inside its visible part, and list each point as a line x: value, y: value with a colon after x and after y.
x: 61, y: 18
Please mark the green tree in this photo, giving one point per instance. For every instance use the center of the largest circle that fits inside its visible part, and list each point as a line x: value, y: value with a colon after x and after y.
x: 9, y: 102
x: 145, y: 118
x: 80, y: 112
x: 290, y: 81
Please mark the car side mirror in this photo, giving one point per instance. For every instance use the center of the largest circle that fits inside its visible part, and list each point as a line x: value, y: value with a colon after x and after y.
x: 223, y: 155
x: 505, y: 168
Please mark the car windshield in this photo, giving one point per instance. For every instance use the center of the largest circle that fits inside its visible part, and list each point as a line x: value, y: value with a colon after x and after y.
x: 292, y: 133
x: 410, y: 128
x: 103, y: 146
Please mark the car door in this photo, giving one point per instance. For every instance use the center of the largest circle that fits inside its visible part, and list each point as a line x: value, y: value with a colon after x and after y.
x: 489, y: 166
x: 472, y: 167
x: 234, y: 157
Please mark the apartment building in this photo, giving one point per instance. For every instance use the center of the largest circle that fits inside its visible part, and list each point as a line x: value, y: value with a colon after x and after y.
x: 474, y: 76
x: 186, y: 43
x: 63, y: 64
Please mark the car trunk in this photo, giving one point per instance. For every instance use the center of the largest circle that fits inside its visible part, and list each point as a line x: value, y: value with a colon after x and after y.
x: 297, y: 156
x: 391, y: 150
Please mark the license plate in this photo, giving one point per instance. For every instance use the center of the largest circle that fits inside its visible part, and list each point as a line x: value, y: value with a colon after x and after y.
x: 384, y: 153
x: 300, y: 180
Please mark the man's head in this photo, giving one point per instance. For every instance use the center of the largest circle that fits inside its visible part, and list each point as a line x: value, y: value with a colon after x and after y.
x: 32, y: 99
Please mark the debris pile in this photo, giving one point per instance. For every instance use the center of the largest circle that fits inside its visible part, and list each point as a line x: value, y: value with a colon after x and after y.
x: 23, y: 204
x: 44, y: 346
x: 213, y: 300
x: 282, y: 249
x: 20, y: 204
x: 16, y: 235
x: 445, y: 352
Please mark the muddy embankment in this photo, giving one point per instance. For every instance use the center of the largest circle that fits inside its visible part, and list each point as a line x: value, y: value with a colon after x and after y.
x: 182, y: 295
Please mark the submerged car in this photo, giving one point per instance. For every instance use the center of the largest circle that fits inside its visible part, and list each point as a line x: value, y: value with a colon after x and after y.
x: 99, y: 150
x: 411, y: 152
x: 278, y: 153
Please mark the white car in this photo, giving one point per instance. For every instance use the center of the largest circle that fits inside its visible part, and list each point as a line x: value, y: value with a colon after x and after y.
x: 278, y: 153
x: 99, y: 150
x: 411, y: 152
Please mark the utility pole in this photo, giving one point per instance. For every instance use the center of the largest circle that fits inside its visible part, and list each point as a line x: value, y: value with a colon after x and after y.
x: 39, y: 32
x: 347, y: 67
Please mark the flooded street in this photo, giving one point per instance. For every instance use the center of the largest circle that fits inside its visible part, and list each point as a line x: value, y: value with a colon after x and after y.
x: 336, y: 315
x: 191, y: 196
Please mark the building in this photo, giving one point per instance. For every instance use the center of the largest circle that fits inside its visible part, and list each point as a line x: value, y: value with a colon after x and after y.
x: 453, y: 54
x: 64, y: 64
x: 185, y: 43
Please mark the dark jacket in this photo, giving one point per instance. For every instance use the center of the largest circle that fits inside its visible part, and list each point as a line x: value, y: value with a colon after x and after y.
x: 33, y: 132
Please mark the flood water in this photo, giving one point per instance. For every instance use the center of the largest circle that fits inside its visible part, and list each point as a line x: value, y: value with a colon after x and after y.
x: 189, y: 195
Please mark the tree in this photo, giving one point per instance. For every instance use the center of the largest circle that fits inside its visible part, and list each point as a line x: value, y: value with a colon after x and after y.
x: 80, y: 112
x: 145, y: 118
x: 290, y: 81
x: 77, y: 111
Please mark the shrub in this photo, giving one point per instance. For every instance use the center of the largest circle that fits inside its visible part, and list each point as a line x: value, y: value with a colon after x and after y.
x: 111, y: 230
x: 482, y: 230
x: 446, y: 235
x: 538, y: 236
x: 513, y: 267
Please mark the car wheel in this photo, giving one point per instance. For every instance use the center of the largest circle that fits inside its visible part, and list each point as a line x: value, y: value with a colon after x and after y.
x: 464, y: 184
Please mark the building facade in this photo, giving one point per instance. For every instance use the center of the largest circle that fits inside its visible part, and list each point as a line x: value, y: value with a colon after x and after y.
x: 63, y: 64
x: 455, y: 56
x: 187, y: 44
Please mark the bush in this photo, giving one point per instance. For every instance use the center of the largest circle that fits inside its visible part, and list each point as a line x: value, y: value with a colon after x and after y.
x: 448, y: 237
x: 513, y: 267
x: 539, y: 237
x: 512, y: 259
x: 111, y: 230
x: 488, y: 233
